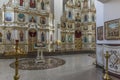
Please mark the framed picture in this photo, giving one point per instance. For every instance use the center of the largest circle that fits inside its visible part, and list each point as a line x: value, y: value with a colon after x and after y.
x: 70, y: 25
x: 100, y: 33
x: 63, y: 25
x: 21, y: 17
x: 32, y: 19
x: 85, y: 27
x: 8, y: 17
x: 70, y: 14
x: 63, y: 38
x: 112, y: 29
x: 43, y: 20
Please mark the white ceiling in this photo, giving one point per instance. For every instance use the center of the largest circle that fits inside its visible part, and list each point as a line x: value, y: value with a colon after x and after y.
x: 104, y: 1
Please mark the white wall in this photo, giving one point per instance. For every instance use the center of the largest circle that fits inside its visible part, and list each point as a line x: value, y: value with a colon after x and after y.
x: 111, y: 10
x: 99, y: 13
x: 58, y: 11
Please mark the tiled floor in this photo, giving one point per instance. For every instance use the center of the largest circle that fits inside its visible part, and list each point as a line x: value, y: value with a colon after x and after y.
x: 77, y: 67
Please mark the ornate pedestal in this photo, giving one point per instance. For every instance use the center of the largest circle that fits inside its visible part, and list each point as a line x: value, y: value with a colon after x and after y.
x: 40, y: 47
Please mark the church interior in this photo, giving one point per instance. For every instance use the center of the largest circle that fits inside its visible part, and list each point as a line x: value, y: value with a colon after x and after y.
x: 59, y: 40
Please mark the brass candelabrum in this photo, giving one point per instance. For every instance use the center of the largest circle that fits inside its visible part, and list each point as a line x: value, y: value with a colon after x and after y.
x: 106, y: 75
x: 16, y: 77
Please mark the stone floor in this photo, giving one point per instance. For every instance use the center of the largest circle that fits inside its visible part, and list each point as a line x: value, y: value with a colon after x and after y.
x: 77, y: 67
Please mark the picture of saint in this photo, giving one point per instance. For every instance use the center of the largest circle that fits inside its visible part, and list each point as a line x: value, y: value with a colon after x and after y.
x: 21, y: 34
x: 32, y: 3
x: 77, y: 24
x: 100, y: 33
x: 77, y: 18
x: 42, y: 37
x: 63, y: 39
x: 70, y: 38
x: 85, y: 28
x: 8, y: 16
x: 32, y: 19
x: 70, y: 14
x: 85, y: 18
x: 32, y: 33
x: 63, y: 25
x: 42, y: 5
x: 8, y: 35
x: 78, y: 3
x: 70, y: 25
x: 0, y: 37
x: 21, y: 2
x: 43, y: 20
x: 85, y: 4
x: 85, y: 39
x: 78, y: 34
x: 21, y: 17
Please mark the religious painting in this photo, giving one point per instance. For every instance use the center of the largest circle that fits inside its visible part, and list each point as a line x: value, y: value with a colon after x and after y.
x: 32, y: 3
x: 21, y: 17
x: 77, y: 24
x: 8, y: 35
x: 78, y: 34
x: 32, y: 19
x: 85, y: 4
x: 21, y: 2
x: 100, y: 33
x: 85, y: 27
x: 112, y: 29
x: 8, y: 16
x: 42, y: 36
x: 42, y: 20
x: 77, y: 18
x: 63, y: 38
x: 32, y: 38
x: 42, y: 5
x: 70, y: 38
x: 70, y: 2
x: 78, y: 3
x: 32, y: 33
x: 85, y: 18
x: 21, y: 35
x: 85, y: 39
x: 93, y: 18
x: 63, y: 25
x: 70, y: 15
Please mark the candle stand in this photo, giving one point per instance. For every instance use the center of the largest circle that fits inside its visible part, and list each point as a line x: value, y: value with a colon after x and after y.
x: 18, y: 51
x: 106, y: 75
